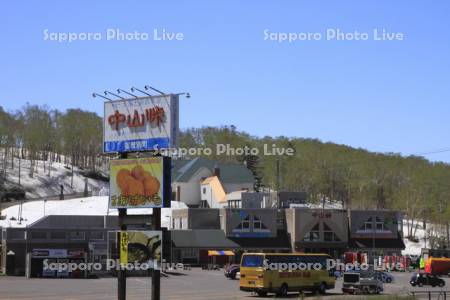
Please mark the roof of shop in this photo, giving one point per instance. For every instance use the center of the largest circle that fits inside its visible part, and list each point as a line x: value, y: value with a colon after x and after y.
x: 202, y: 238
x: 184, y: 169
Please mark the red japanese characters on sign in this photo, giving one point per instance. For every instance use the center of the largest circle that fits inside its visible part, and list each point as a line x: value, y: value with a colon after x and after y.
x: 154, y: 115
x: 321, y: 215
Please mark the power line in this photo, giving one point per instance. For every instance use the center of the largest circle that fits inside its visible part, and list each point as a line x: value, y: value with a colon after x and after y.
x: 434, y: 151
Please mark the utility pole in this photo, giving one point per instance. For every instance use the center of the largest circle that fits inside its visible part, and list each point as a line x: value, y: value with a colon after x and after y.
x: 278, y: 181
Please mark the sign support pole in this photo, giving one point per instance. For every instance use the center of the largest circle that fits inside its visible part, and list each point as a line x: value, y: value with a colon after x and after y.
x: 156, y: 274
x: 156, y: 224
x: 122, y: 274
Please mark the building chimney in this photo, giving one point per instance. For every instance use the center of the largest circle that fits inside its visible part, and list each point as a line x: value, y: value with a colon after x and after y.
x: 217, y: 170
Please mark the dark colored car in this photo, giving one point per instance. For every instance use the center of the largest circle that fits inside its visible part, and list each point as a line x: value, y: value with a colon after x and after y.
x: 421, y: 279
x: 231, y: 271
x: 386, y: 277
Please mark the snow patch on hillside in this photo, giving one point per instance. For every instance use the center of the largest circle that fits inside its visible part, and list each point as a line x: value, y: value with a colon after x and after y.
x: 411, y: 247
x: 42, y: 184
x: 33, y: 211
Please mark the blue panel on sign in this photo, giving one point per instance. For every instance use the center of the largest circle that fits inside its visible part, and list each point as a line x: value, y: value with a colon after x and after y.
x: 136, y: 145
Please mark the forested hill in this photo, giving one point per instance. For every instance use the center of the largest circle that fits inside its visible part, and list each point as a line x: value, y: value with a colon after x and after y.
x: 355, y: 177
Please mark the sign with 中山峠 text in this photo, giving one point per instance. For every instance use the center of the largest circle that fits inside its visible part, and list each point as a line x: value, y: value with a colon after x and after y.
x: 141, y: 124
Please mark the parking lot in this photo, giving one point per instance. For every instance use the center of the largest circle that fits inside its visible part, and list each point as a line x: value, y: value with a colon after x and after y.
x: 194, y: 284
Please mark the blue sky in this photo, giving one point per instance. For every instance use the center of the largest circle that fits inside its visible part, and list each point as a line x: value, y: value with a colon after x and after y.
x: 388, y: 96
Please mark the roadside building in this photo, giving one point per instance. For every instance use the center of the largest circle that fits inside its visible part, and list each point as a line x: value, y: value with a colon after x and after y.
x: 318, y: 230
x: 287, y: 198
x: 195, y: 218
x: 202, y: 247
x: 187, y: 176
x: 197, y: 238
x: 440, y: 253
x: 376, y: 232
x: 59, y: 239
x: 259, y: 200
x: 255, y: 229
x: 212, y: 193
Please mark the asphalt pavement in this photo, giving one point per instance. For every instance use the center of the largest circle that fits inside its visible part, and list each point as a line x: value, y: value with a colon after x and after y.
x: 194, y: 284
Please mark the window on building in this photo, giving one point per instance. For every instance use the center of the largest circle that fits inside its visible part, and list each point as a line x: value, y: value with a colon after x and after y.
x: 38, y: 235
x: 368, y: 225
x: 204, y: 190
x: 234, y: 203
x: 189, y: 252
x: 313, y: 235
x: 280, y: 220
x: 379, y: 225
x: 77, y: 235
x: 329, y: 235
x: 57, y: 235
x: 246, y: 223
x: 257, y: 223
x: 16, y: 235
x: 97, y: 236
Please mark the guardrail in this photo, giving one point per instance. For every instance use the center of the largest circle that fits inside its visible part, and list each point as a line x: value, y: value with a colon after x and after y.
x: 435, y: 295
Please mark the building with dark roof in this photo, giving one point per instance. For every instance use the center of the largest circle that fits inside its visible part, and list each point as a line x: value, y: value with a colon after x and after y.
x: 80, y: 238
x: 376, y: 232
x: 318, y: 230
x: 188, y: 174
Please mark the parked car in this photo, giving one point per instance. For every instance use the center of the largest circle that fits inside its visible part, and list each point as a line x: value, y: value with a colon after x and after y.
x: 231, y: 271
x: 362, y: 283
x: 386, y: 277
x: 421, y: 279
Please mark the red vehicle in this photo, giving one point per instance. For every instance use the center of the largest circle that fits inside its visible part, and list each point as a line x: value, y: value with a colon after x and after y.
x: 437, y: 266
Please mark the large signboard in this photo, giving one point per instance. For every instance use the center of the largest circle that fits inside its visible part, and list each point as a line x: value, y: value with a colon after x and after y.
x: 139, y: 182
x: 142, y: 247
x: 140, y: 124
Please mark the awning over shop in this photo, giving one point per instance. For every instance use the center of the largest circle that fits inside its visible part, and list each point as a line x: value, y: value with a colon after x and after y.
x: 280, y: 242
x: 220, y: 253
x: 358, y: 243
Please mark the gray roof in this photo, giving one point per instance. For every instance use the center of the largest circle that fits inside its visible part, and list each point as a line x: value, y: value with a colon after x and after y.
x: 76, y: 222
x: 202, y: 238
x: 183, y: 170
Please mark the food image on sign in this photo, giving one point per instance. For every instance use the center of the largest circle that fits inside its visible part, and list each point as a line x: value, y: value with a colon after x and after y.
x: 142, y: 247
x: 136, y: 183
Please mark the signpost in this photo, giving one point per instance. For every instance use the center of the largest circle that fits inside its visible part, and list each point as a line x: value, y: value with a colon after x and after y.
x: 144, y: 124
